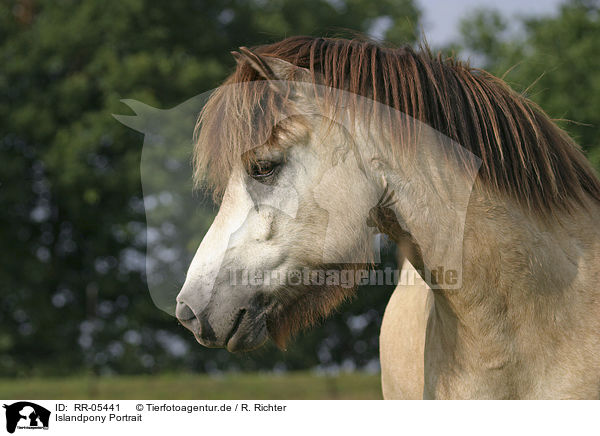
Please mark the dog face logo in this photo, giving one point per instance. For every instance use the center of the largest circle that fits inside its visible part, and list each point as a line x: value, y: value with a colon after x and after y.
x: 26, y: 415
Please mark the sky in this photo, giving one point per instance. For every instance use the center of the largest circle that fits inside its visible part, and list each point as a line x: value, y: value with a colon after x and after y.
x: 441, y: 17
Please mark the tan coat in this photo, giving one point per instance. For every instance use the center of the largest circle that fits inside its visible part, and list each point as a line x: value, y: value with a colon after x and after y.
x: 525, y: 324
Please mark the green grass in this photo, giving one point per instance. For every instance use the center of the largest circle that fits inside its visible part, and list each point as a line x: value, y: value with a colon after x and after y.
x: 291, y: 386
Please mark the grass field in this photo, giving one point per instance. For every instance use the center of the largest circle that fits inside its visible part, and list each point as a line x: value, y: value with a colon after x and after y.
x: 292, y: 386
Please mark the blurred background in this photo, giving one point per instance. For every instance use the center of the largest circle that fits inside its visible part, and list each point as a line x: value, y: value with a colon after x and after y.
x: 76, y: 318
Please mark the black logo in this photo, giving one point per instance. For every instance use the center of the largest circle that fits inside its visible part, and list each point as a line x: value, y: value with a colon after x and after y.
x: 26, y: 415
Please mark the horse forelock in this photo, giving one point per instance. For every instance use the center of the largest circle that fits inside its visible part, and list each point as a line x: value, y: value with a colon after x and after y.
x: 524, y: 154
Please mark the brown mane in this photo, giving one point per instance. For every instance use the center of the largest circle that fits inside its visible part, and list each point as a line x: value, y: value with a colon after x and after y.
x: 524, y: 154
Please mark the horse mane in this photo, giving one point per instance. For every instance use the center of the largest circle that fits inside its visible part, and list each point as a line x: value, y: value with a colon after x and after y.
x: 524, y: 154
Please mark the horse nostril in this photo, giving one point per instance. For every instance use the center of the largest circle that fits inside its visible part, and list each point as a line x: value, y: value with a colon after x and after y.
x: 183, y: 312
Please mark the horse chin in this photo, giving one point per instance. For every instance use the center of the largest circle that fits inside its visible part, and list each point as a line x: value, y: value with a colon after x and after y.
x: 310, y: 306
x: 250, y: 335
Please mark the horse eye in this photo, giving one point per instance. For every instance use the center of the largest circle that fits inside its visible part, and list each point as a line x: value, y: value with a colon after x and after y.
x: 262, y: 169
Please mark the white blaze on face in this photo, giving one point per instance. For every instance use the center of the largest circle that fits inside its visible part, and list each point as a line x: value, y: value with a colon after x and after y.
x: 241, y: 230
x: 204, y: 268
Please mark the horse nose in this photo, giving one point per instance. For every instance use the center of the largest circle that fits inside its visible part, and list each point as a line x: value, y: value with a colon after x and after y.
x: 200, y: 327
x: 186, y: 317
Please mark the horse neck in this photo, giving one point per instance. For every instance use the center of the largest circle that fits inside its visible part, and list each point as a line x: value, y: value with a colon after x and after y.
x: 525, y: 312
x: 526, y: 298
x: 518, y: 257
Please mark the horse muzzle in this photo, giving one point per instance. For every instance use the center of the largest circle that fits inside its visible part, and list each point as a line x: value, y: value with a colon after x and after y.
x: 242, y: 329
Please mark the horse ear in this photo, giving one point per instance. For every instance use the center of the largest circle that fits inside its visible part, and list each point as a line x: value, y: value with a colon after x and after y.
x: 272, y: 68
x: 239, y: 59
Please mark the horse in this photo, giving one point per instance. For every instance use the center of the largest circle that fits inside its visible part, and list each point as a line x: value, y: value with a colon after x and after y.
x: 447, y: 160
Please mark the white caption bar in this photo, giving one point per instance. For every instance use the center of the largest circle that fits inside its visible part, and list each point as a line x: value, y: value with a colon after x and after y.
x: 158, y: 417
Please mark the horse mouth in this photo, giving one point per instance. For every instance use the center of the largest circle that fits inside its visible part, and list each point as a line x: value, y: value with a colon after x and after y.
x: 245, y: 331
x: 234, y: 329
